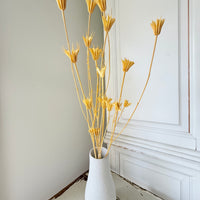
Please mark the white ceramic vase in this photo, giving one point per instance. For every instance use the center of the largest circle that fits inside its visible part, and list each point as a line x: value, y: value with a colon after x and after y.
x: 100, y: 185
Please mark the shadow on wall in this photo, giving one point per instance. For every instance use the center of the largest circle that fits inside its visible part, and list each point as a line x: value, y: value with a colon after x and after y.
x: 3, y: 178
x: 44, y: 140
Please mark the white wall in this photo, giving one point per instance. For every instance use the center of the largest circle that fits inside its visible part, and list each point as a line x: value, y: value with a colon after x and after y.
x: 43, y: 138
x: 159, y: 150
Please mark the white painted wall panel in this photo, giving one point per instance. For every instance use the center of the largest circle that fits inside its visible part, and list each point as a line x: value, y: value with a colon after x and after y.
x: 161, y: 101
x: 159, y: 148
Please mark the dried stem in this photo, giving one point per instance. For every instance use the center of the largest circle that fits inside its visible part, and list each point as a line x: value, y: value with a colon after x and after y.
x: 156, y: 37
x: 108, y: 121
x: 113, y: 131
x: 93, y: 143
x: 120, y: 114
x: 65, y: 26
x: 104, y: 46
x: 68, y: 44
x: 120, y: 96
x: 79, y: 80
x: 96, y: 113
x: 108, y: 65
x: 88, y: 63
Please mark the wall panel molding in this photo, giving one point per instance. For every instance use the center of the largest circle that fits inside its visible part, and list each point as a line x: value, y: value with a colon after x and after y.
x: 159, y: 153
x: 182, y: 62
x: 168, y: 176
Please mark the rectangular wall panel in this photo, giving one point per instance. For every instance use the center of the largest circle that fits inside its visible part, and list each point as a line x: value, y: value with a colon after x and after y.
x: 164, y: 110
x: 159, y: 149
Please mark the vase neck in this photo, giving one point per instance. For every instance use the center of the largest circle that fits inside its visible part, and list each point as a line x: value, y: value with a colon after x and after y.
x: 99, y: 164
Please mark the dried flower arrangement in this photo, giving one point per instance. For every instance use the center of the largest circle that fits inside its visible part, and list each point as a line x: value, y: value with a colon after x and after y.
x: 96, y: 108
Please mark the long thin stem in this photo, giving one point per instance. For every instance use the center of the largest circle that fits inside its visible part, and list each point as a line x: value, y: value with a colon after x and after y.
x: 142, y: 90
x: 97, y: 94
x: 77, y: 73
x: 65, y: 26
x: 86, y: 118
x: 108, y: 65
x: 88, y: 63
x: 120, y: 114
x: 99, y: 105
x: 93, y: 143
x: 89, y: 74
x: 68, y: 44
x: 104, y: 46
x: 103, y: 109
x: 113, y: 131
x: 108, y: 121
x: 120, y: 96
x: 89, y: 20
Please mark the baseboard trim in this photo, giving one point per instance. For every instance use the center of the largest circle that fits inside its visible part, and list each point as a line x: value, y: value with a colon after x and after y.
x: 83, y: 176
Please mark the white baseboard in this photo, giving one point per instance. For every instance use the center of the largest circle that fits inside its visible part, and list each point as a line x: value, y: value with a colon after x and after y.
x: 168, y: 176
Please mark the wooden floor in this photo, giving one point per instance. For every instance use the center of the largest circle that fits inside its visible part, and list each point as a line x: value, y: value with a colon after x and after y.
x: 124, y: 189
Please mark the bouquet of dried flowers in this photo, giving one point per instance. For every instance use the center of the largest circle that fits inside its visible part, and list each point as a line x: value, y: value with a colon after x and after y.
x: 96, y: 104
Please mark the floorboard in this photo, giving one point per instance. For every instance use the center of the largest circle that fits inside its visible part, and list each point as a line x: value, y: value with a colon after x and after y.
x: 124, y: 190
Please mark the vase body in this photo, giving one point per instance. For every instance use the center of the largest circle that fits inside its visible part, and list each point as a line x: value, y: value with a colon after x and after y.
x: 100, y: 185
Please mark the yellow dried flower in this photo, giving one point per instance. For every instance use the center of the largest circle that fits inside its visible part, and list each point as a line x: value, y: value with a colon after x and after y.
x: 102, y: 5
x: 108, y: 22
x: 61, y: 4
x: 96, y: 52
x: 101, y: 71
x: 127, y: 64
x: 117, y: 106
x: 109, y: 100
x: 88, y: 40
x: 72, y: 56
x: 91, y: 131
x: 100, y: 99
x: 109, y: 106
x: 88, y: 103
x: 157, y: 26
x: 91, y: 5
x: 126, y: 104
x: 104, y: 102
x: 95, y: 131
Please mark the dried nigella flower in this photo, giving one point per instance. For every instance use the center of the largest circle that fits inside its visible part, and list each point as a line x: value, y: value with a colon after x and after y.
x: 61, y: 4
x: 91, y: 5
x: 96, y: 52
x: 127, y: 64
x: 108, y: 22
x: 157, y: 26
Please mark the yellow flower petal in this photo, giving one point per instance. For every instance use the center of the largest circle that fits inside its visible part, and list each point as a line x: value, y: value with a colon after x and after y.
x: 88, y: 40
x: 101, y: 72
x: 109, y: 105
x: 117, y: 106
x: 109, y: 100
x: 95, y: 131
x: 108, y: 22
x: 88, y: 103
x: 102, y: 5
x: 157, y: 26
x: 127, y: 64
x: 91, y: 131
x: 126, y: 104
x: 72, y: 56
x: 61, y: 4
x: 91, y: 5
x: 96, y: 52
